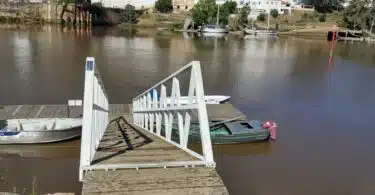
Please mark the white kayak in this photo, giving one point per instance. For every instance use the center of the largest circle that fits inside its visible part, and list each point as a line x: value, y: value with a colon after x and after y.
x: 209, y: 99
x: 39, y: 130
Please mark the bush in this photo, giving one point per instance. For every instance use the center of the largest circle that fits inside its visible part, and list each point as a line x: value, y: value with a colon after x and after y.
x: 322, y: 18
x: 130, y: 15
x: 261, y: 17
x: 243, y: 14
x: 164, y: 6
x: 316, y: 14
x: 274, y: 13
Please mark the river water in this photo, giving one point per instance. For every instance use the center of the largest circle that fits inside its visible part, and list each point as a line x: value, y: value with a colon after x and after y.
x: 324, y: 110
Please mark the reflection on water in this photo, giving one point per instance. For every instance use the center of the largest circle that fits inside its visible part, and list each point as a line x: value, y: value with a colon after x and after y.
x: 325, y: 117
x: 246, y: 149
x: 22, y: 55
x: 46, y: 168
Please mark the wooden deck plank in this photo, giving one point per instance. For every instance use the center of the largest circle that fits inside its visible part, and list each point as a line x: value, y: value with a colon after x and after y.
x: 212, y: 190
x: 129, y: 180
x: 223, y: 111
x: 122, y: 145
x: 49, y: 111
x: 7, y: 111
x: 33, y: 111
x: 39, y: 111
x: 23, y: 111
x: 145, y: 174
x: 126, y: 144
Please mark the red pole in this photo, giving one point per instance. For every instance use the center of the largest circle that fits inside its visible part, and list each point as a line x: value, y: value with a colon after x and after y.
x: 331, y: 52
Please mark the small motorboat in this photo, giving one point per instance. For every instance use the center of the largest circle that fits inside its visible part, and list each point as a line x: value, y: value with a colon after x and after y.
x: 236, y: 132
x: 39, y: 130
x: 223, y: 132
x: 209, y: 99
x: 210, y: 28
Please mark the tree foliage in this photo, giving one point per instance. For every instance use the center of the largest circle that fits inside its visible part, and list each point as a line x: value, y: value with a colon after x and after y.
x: 228, y: 8
x: 164, y: 6
x: 130, y: 15
x: 244, y: 13
x: 322, y: 18
x: 261, y: 17
x: 274, y: 13
x: 326, y: 6
x: 205, y: 12
x: 359, y: 14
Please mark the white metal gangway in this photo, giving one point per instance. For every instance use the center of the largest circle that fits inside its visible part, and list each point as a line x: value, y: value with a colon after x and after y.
x: 150, y: 114
x: 148, y: 111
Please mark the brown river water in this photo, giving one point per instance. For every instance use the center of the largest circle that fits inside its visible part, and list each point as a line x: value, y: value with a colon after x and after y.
x: 324, y: 110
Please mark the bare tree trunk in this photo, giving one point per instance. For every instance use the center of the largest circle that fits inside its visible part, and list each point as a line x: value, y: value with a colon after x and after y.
x: 63, y: 11
x: 75, y: 12
x: 372, y: 25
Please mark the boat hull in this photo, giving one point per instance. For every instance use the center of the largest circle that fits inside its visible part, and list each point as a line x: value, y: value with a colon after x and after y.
x: 260, y: 32
x: 37, y: 137
x: 220, y: 135
x: 262, y: 135
x: 215, y: 30
x: 210, y: 99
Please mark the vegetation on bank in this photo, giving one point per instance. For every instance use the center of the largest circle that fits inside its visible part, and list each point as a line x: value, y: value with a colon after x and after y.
x: 164, y: 6
x: 205, y: 12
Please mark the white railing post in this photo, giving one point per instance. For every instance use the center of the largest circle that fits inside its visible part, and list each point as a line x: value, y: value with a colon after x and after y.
x: 202, y: 113
x: 85, y: 156
x: 95, y: 115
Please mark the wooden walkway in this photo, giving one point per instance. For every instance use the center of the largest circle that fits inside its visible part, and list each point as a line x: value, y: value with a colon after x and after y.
x: 123, y: 143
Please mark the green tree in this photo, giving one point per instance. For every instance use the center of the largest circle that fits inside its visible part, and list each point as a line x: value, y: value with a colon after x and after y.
x: 130, y: 15
x: 326, y: 6
x: 244, y: 13
x: 359, y: 14
x: 322, y: 18
x: 205, y: 12
x: 261, y: 17
x: 229, y: 7
x: 164, y: 6
x: 274, y: 13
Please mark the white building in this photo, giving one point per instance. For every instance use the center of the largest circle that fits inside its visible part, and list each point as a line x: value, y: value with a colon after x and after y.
x: 138, y: 4
x: 265, y: 6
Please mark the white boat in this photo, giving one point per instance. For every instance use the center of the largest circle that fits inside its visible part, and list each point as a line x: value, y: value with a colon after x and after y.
x: 207, y: 35
x: 215, y: 28
x: 261, y: 33
x: 39, y: 130
x: 209, y: 99
x: 211, y: 28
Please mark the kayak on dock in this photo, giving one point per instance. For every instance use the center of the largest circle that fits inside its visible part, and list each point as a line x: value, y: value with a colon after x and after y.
x: 39, y: 130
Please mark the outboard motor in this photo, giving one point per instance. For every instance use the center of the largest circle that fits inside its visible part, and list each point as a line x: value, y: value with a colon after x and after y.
x: 271, y: 126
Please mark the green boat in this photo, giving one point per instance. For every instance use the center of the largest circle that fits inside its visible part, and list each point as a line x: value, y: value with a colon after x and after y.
x: 229, y: 132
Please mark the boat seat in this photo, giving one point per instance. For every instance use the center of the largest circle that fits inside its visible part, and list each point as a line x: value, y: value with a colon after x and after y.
x: 51, y: 125
x: 33, y: 127
x: 243, y: 127
x: 62, y: 125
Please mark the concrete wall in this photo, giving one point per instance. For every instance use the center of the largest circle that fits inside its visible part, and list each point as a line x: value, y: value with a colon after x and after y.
x: 48, y: 12
x: 180, y: 6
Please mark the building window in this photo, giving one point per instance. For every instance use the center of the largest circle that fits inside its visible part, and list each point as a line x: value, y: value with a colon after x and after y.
x: 271, y: 3
x: 178, y: 7
x: 259, y: 2
x: 186, y: 7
